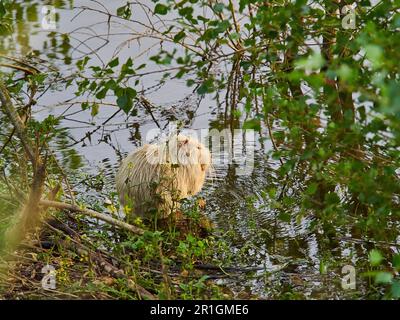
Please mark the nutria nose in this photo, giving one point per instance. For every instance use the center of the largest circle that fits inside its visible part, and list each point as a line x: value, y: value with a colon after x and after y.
x: 187, y: 154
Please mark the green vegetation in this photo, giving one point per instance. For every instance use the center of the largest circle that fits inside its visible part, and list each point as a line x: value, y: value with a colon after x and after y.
x: 322, y: 90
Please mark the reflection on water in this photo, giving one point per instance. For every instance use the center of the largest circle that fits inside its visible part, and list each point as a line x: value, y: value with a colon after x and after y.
x: 287, y: 252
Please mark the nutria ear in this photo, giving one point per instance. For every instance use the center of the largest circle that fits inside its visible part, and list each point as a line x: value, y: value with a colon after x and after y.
x: 203, y: 167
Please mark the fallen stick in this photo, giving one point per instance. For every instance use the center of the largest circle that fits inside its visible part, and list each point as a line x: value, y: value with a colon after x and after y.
x: 92, y: 213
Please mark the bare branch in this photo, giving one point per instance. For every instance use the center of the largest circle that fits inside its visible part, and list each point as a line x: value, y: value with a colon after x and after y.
x: 92, y: 213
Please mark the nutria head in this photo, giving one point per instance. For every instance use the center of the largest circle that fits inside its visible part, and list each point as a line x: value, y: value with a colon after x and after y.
x: 181, y: 150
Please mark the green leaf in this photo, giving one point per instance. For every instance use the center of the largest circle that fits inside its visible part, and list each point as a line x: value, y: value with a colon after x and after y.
x: 396, y: 261
x: 82, y: 63
x: 125, y: 98
x: 284, y: 216
x: 123, y: 102
x: 253, y: 124
x: 161, y: 9
x: 312, y: 188
x: 206, y: 87
x: 346, y: 73
x: 102, y: 93
x: 84, y: 105
x: 186, y: 12
x: 374, y: 54
x: 396, y: 21
x: 120, y: 11
x: 383, y: 277
x: 94, y: 110
x: 219, y: 7
x: 124, y: 11
x: 323, y: 267
x: 110, y: 84
x: 395, y: 289
x: 312, y: 62
x: 179, y: 36
x: 223, y: 26
x: 375, y: 257
x: 131, y: 92
x: 113, y: 63
x: 2, y: 9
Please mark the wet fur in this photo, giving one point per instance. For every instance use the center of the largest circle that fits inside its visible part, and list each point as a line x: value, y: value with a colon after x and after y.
x: 152, y: 179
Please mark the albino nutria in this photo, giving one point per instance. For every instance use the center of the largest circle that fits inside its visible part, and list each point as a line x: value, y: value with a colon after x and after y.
x: 152, y: 179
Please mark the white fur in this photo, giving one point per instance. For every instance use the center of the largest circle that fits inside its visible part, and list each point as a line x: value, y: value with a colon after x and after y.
x: 155, y: 177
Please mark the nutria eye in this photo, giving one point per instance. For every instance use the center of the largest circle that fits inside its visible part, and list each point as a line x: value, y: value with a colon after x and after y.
x: 186, y: 141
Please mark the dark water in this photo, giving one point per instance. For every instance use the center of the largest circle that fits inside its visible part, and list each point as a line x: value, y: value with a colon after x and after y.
x: 286, y: 255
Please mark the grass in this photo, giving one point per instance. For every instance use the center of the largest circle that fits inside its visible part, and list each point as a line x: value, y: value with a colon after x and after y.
x: 94, y: 260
